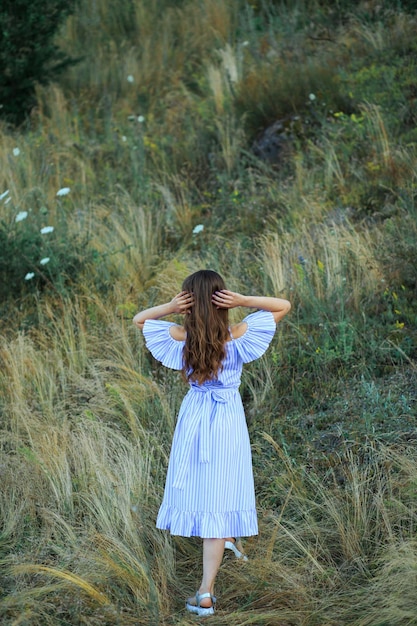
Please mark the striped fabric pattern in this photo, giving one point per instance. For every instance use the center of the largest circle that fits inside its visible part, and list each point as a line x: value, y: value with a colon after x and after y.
x: 209, y: 490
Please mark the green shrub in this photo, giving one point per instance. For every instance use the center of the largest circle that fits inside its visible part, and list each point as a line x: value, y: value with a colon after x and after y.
x: 28, y: 54
x: 35, y: 255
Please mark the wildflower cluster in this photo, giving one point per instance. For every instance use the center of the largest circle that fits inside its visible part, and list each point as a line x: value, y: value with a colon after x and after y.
x: 35, y: 253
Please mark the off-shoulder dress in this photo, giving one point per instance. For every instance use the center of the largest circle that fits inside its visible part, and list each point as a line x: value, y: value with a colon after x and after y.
x: 209, y: 489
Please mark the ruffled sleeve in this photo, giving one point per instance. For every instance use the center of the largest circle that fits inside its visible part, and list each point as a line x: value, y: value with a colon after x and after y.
x: 259, y: 333
x: 162, y: 346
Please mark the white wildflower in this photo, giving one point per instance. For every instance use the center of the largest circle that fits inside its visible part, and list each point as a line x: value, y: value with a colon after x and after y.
x: 197, y: 229
x: 16, y: 152
x: 4, y: 194
x: 45, y: 260
x: 124, y: 138
x: 29, y: 275
x: 22, y: 215
x: 312, y: 97
x: 63, y: 192
x: 47, y: 229
x: 141, y: 119
x: 245, y: 43
x: 130, y: 79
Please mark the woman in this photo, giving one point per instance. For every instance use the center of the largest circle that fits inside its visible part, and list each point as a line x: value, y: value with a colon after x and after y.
x: 209, y: 489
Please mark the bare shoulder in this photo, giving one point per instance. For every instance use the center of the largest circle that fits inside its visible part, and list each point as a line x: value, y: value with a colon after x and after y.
x: 177, y: 332
x: 237, y: 330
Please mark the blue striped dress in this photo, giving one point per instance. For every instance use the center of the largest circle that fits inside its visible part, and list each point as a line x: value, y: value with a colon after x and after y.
x: 209, y: 490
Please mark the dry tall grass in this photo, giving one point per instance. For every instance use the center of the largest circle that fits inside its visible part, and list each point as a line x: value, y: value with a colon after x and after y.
x: 85, y: 438
x: 328, y: 262
x: 150, y: 132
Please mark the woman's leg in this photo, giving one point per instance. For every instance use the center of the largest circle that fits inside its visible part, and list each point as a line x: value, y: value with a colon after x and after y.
x: 212, y: 557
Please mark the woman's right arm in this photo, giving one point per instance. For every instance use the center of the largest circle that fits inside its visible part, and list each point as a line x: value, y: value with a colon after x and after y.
x: 226, y: 299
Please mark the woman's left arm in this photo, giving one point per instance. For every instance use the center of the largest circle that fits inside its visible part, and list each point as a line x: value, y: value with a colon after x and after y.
x: 181, y: 303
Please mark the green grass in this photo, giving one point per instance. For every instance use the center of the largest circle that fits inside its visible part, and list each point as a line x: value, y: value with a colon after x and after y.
x: 152, y: 133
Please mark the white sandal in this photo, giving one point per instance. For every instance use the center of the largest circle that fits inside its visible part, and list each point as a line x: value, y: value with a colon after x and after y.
x: 201, y: 611
x: 231, y: 545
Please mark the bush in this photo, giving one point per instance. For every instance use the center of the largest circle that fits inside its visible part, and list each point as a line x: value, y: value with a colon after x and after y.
x: 28, y: 54
x: 35, y: 255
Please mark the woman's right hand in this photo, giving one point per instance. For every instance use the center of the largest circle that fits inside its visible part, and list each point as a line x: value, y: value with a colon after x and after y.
x: 226, y: 299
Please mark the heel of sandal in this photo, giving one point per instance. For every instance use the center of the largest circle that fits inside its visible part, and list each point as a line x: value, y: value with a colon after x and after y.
x: 230, y: 545
x: 197, y: 609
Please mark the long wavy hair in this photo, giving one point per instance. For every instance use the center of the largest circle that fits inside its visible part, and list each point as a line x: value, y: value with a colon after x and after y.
x: 207, y: 328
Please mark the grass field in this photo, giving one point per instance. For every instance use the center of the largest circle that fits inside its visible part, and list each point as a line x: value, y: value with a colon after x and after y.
x: 149, y: 136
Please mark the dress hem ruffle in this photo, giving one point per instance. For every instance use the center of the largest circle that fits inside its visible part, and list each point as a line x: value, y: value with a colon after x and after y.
x: 207, y: 525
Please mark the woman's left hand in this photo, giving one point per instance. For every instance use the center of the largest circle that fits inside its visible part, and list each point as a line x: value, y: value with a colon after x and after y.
x: 182, y: 302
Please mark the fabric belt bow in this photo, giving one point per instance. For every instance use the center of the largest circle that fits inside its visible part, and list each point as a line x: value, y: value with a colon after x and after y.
x: 199, y: 421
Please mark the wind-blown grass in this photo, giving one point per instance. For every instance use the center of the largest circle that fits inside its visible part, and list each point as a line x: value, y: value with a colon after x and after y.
x: 152, y: 134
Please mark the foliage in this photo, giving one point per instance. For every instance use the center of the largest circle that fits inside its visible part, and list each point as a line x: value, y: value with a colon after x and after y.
x: 150, y: 142
x: 35, y: 255
x: 28, y: 53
